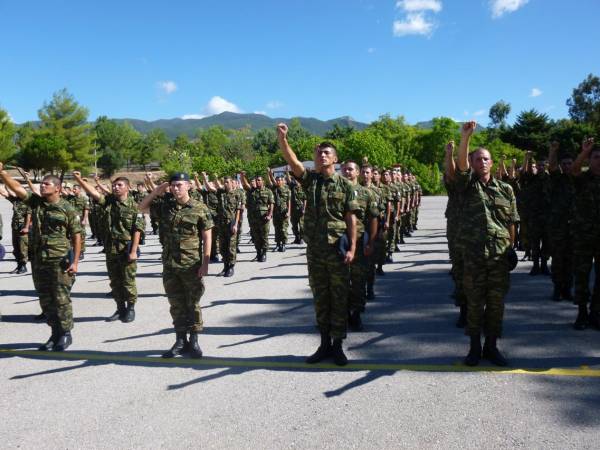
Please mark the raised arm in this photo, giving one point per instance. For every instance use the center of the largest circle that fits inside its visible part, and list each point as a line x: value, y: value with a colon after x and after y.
x: 583, y: 156
x: 553, y: 157
x: 12, y: 184
x: 144, y: 205
x: 244, y: 180
x: 207, y: 184
x: 463, y: 150
x: 449, y: 164
x: 270, y: 178
x: 287, y: 152
x: 100, y: 185
x: 87, y: 187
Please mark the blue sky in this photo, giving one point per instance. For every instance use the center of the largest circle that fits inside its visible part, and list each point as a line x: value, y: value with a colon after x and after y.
x: 324, y: 59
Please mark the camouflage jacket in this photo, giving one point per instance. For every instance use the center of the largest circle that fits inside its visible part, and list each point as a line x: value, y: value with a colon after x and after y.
x: 20, y: 211
x: 327, y: 202
x: 562, y: 196
x: 79, y: 203
x: 229, y: 204
x: 260, y: 200
x: 182, y: 238
x: 488, y: 210
x: 122, y: 219
x: 282, y: 196
x: 52, y: 227
x: 368, y: 208
x: 298, y: 197
x: 586, y: 215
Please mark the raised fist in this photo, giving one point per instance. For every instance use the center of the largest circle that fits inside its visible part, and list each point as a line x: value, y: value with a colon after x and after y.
x: 468, y: 128
x: 282, y: 130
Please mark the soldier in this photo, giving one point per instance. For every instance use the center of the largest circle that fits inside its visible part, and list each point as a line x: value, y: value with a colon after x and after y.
x: 385, y: 218
x: 260, y: 212
x: 586, y: 233
x: 329, y: 224
x: 20, y: 223
x: 281, y: 212
x: 453, y: 218
x: 395, y: 194
x: 212, y: 201
x: 298, y: 198
x: 562, y: 195
x: 228, y: 220
x: 367, y: 215
x: 55, y: 235
x: 124, y: 228
x: 185, y: 257
x: 487, y: 232
x: 138, y: 195
x: 80, y: 204
x: 242, y: 197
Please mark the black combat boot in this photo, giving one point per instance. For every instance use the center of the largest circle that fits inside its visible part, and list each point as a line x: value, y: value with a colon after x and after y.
x: 474, y: 355
x: 262, y: 256
x: 491, y: 352
x: 556, y: 293
x: 297, y: 240
x: 323, y: 352
x: 224, y: 271
x: 396, y: 248
x: 16, y: 269
x: 21, y: 268
x: 230, y: 272
x: 462, y: 317
x: 535, y: 270
x: 337, y: 353
x: 63, y: 342
x: 544, y: 267
x: 388, y: 258
x: 119, y: 314
x: 379, y: 271
x: 214, y: 259
x: 193, y: 347
x: 354, y: 321
x: 582, y: 318
x: 282, y: 249
x: 129, y: 315
x: 179, y: 346
x: 49, y: 346
x: 527, y: 255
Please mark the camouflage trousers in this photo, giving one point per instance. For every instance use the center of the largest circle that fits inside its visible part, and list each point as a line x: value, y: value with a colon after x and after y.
x: 456, y: 259
x: 392, y: 235
x: 297, y: 220
x: 184, y: 290
x: 538, y: 239
x: 82, y: 234
x: 122, y: 279
x: 359, y: 271
x: 20, y: 244
x: 239, y: 230
x: 524, y: 232
x: 260, y: 234
x: 381, y: 247
x: 329, y: 280
x: 227, y: 243
x: 281, y: 223
x: 586, y: 254
x: 561, y: 247
x: 214, y: 249
x: 53, y: 287
x: 486, y: 283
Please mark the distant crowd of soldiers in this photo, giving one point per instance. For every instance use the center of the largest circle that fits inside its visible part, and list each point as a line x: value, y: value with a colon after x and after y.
x: 197, y: 219
x: 546, y: 208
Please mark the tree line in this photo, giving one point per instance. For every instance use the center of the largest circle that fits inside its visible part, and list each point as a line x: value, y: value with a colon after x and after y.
x: 63, y: 140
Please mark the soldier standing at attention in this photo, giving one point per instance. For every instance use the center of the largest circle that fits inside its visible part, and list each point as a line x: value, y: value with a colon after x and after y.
x: 328, y: 222
x: 185, y: 257
x: 55, y: 234
x: 297, y: 210
x: 281, y: 213
x: 366, y: 173
x: 260, y: 211
x: 562, y: 196
x: 586, y: 234
x: 366, y: 232
x: 489, y: 215
x: 228, y: 220
x: 124, y: 228
x: 20, y: 223
x: 387, y: 200
x: 395, y: 214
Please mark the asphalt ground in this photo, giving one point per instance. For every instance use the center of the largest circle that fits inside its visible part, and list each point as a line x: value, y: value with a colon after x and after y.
x: 405, y: 386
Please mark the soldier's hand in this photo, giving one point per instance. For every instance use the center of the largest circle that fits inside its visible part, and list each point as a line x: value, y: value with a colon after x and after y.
x: 203, y: 269
x: 97, y: 178
x: 450, y: 147
x: 76, y: 175
x: 349, y: 257
x: 282, y: 131
x: 72, y: 269
x: 132, y: 256
x: 468, y: 128
x: 150, y: 175
x: 587, y: 145
x: 234, y: 229
x: 162, y: 187
x: 24, y: 230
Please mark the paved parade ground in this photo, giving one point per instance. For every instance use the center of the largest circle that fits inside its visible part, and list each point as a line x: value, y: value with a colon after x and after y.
x: 405, y: 386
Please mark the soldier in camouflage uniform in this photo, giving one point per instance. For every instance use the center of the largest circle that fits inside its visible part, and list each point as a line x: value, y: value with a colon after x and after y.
x: 586, y: 234
x: 124, y: 228
x: 212, y: 202
x: 329, y: 223
x: 395, y: 194
x: 281, y: 212
x: 367, y: 215
x: 242, y: 197
x: 55, y: 234
x: 260, y: 212
x: 80, y: 204
x: 20, y: 224
x: 228, y: 221
x: 366, y: 175
x: 489, y: 215
x: 562, y: 195
x: 453, y: 218
x: 298, y: 198
x: 185, y: 257
x: 385, y: 219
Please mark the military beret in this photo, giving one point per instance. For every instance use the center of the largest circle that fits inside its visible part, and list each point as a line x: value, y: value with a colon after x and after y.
x: 179, y: 176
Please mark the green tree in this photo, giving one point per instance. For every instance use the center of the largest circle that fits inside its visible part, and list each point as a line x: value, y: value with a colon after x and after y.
x: 154, y: 146
x: 444, y: 129
x: 66, y: 122
x: 7, y: 137
x: 339, y: 132
x: 369, y: 143
x: 584, y: 104
x: 399, y: 134
x: 111, y: 161
x: 265, y: 140
x: 531, y: 131
x: 498, y: 114
x: 296, y: 132
x: 118, y: 141
x: 570, y: 134
x: 212, y: 140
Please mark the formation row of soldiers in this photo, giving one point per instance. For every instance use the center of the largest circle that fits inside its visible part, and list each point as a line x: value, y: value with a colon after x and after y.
x: 190, y: 223
x: 556, y: 214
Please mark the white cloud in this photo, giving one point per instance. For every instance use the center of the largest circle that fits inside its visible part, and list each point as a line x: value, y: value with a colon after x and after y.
x: 274, y: 104
x: 264, y: 113
x: 413, y: 24
x: 501, y: 7
x: 535, y: 92
x: 479, y: 113
x: 419, y: 5
x: 168, y: 87
x: 216, y: 105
